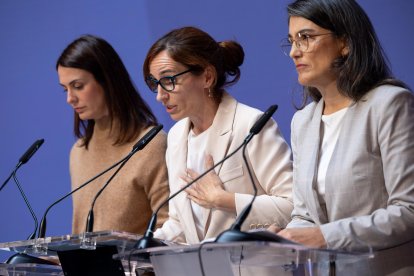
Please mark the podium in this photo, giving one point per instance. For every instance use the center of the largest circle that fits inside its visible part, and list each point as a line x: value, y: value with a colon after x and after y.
x: 84, y: 254
x: 241, y: 258
x: 112, y: 253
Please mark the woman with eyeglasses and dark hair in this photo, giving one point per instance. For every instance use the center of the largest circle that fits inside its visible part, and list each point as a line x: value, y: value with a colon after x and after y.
x: 110, y: 117
x: 353, y: 144
x: 189, y: 71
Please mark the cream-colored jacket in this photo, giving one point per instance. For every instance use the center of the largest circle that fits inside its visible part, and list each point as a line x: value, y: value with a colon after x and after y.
x: 269, y: 158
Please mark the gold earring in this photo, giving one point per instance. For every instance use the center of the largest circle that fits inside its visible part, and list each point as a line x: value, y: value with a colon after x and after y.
x: 210, y: 95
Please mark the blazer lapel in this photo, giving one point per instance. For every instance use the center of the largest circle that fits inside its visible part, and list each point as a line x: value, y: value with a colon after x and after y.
x: 219, y: 138
x: 315, y: 136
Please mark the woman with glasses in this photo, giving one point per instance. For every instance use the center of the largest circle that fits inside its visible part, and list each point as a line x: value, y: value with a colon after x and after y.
x: 110, y: 117
x: 353, y: 144
x: 188, y: 70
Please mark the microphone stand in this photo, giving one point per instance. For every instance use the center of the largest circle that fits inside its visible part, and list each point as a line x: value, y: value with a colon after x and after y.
x: 33, y: 235
x: 148, y: 239
x: 90, y: 219
x: 42, y: 228
x: 19, y: 258
x: 137, y: 147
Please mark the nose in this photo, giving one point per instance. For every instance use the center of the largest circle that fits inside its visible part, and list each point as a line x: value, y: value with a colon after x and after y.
x: 294, y: 51
x: 70, y: 97
x: 162, y: 95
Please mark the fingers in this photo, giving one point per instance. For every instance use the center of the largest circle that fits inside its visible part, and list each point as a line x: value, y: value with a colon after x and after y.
x: 208, y: 161
x: 191, y: 174
x: 274, y: 228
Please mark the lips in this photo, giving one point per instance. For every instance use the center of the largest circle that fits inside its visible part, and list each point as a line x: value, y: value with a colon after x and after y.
x: 78, y: 109
x: 170, y: 108
x: 300, y: 66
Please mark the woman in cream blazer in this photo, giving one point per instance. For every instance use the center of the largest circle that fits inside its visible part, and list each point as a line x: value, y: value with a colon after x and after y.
x: 188, y: 70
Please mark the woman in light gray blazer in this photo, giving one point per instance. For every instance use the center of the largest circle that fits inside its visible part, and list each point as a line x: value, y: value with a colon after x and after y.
x: 353, y: 144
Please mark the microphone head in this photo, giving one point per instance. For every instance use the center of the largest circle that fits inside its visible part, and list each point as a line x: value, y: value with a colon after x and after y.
x: 257, y: 127
x: 29, y: 153
x: 147, y: 138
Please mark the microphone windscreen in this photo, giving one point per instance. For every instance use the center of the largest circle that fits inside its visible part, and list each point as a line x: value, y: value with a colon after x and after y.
x: 257, y: 127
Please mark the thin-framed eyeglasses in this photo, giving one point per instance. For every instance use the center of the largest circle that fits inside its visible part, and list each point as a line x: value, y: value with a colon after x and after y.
x: 167, y: 82
x: 301, y: 42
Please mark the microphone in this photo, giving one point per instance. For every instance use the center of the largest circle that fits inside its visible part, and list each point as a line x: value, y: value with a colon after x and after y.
x: 23, y: 160
x: 234, y: 233
x: 138, y: 146
x: 19, y: 258
x: 43, y: 222
x: 148, y: 239
x: 30, y: 151
x: 25, y: 157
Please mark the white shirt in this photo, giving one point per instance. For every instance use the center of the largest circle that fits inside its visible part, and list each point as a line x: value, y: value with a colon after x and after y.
x: 331, y: 127
x: 195, y: 160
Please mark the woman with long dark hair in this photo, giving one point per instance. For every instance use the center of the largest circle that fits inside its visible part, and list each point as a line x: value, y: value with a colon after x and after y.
x: 110, y: 117
x: 353, y: 144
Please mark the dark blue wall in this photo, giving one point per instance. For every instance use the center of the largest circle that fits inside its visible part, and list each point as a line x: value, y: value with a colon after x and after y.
x: 33, y: 33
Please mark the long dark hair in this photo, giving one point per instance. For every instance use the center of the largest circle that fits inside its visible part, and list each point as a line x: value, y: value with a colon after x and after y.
x: 95, y: 55
x: 366, y: 65
x: 196, y: 49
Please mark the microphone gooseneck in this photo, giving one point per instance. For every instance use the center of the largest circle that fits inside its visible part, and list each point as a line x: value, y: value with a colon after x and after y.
x: 23, y: 257
x: 33, y: 235
x: 42, y: 227
x: 138, y: 146
x: 148, y: 239
x: 235, y: 233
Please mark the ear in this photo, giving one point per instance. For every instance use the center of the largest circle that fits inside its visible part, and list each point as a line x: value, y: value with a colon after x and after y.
x: 210, y: 76
x: 344, y: 47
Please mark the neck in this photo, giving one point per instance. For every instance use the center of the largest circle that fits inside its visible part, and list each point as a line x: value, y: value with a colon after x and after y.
x: 104, y: 130
x: 204, y: 118
x: 334, y: 100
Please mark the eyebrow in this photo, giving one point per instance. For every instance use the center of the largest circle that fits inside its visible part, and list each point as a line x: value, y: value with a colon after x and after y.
x: 304, y: 31
x: 71, y: 82
x: 165, y: 71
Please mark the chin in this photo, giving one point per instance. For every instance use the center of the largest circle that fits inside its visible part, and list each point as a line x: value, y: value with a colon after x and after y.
x: 176, y: 117
x: 84, y: 118
x: 304, y: 81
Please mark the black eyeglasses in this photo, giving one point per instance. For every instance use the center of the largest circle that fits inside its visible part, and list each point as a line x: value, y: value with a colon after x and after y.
x: 167, y: 82
x: 301, y: 42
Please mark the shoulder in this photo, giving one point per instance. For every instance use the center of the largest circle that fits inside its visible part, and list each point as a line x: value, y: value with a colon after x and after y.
x: 178, y: 129
x: 158, y: 143
x: 77, y: 148
x: 304, y: 115
x: 387, y: 94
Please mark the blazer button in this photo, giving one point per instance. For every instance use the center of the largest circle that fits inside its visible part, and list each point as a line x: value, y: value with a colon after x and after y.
x: 266, y: 225
x: 252, y: 226
x: 259, y: 225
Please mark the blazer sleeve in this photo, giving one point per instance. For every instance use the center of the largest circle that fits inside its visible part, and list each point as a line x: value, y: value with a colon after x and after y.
x: 393, y: 224
x: 270, y: 160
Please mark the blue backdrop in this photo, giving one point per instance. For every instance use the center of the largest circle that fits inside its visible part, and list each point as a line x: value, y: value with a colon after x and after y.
x: 33, y: 106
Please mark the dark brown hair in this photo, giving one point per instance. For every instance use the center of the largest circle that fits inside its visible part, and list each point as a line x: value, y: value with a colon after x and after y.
x: 95, y: 55
x: 196, y: 50
x: 366, y: 65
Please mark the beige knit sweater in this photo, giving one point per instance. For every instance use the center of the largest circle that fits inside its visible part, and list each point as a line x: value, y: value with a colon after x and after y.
x: 132, y: 196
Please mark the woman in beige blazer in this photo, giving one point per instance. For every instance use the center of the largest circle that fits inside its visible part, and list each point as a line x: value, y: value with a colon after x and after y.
x: 353, y: 145
x: 188, y: 70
